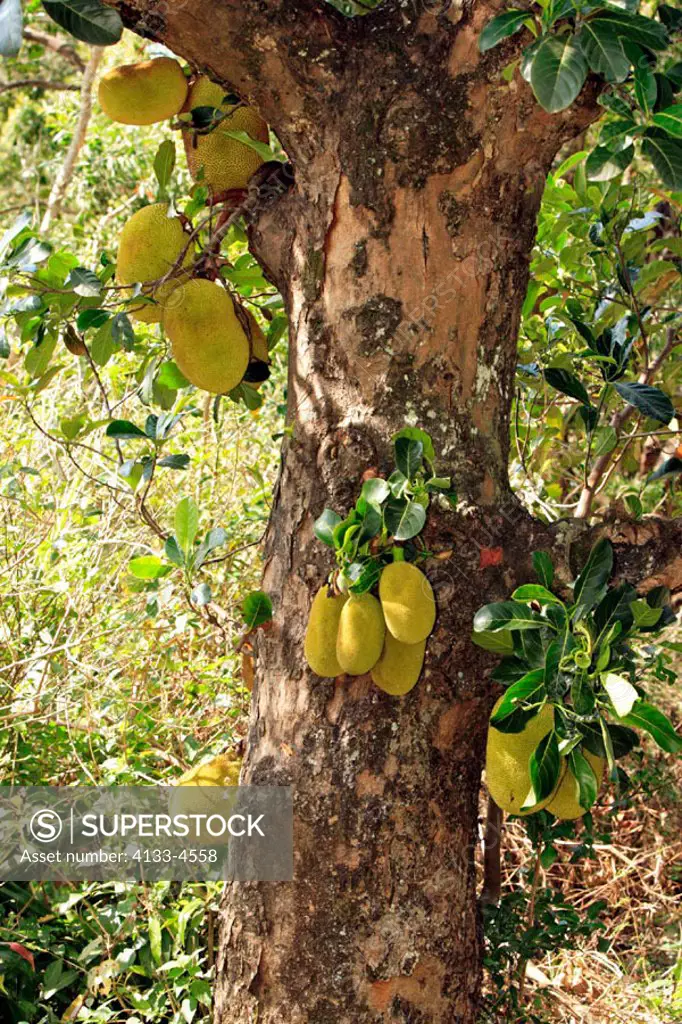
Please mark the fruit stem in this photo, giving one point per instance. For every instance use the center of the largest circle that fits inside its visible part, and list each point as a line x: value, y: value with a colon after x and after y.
x: 398, y: 554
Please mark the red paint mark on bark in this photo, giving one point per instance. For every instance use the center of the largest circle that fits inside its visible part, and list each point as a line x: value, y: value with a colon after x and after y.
x: 489, y: 557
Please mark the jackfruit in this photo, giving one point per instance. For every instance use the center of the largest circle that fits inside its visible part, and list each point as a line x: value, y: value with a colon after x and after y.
x: 320, y: 637
x: 227, y: 163
x: 259, y: 344
x: 144, y: 93
x: 208, y: 341
x: 201, y: 790
x: 360, y: 638
x: 407, y: 601
x: 507, y: 769
x: 565, y: 801
x: 399, y: 666
x: 149, y: 248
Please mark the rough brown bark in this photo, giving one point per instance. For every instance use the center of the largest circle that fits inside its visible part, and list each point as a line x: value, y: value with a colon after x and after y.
x: 402, y: 252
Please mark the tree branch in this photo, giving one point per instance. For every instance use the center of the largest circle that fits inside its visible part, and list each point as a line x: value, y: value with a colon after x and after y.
x: 58, y: 44
x: 37, y: 83
x: 647, y: 552
x: 277, y: 51
x: 62, y: 180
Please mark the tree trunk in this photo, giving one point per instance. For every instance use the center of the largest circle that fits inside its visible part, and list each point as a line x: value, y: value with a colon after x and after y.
x: 402, y: 252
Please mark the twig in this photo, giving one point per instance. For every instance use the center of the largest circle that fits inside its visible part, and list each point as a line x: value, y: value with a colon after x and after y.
x: 56, y: 43
x: 62, y: 180
x: 38, y: 83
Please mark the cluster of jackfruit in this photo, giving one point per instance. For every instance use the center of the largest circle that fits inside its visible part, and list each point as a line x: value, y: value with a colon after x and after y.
x: 188, y: 796
x: 507, y: 770
x: 213, y: 339
x: 351, y: 634
x: 156, y: 90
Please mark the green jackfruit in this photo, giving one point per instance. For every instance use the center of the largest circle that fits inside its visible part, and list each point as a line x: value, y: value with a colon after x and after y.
x: 201, y: 790
x: 407, y: 601
x: 399, y: 666
x: 564, y: 803
x: 144, y: 93
x: 507, y: 769
x: 149, y: 248
x: 360, y: 638
x: 227, y: 163
x: 209, y: 343
x: 320, y: 637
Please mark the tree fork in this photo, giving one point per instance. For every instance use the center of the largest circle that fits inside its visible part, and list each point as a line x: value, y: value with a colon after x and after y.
x: 402, y: 254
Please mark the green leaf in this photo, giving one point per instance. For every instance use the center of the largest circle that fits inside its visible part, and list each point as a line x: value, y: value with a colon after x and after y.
x: 646, y: 87
x: 651, y: 401
x: 501, y: 27
x: 174, y: 461
x: 606, y: 162
x: 535, y: 592
x: 261, y: 148
x: 588, y: 786
x: 416, y: 434
x: 671, y: 467
x: 375, y: 491
x: 87, y: 20
x: 497, y: 643
x: 641, y: 30
x: 155, y: 943
x: 670, y: 120
x: 164, y: 164
x: 256, y: 609
x: 567, y: 383
x: 186, y: 524
x: 170, y: 376
x: 404, y: 519
x: 148, y: 567
x: 122, y: 332
x: 645, y: 716
x: 621, y: 693
x: 544, y: 569
x: 84, y: 282
x: 666, y: 156
x: 173, y: 552
x: 409, y: 456
x: 591, y: 583
x: 557, y: 72
x: 545, y: 763
x: 124, y: 430
x: 603, y: 50
x: 91, y: 318
x: 644, y: 615
x: 527, y: 690
x: 325, y: 525
x: 506, y: 615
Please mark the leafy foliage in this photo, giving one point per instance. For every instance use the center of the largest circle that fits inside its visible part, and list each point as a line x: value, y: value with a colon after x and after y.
x: 387, y: 512
x: 577, y: 656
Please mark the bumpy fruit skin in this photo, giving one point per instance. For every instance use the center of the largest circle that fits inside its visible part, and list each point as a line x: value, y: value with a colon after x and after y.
x: 507, y: 759
x: 259, y: 344
x: 227, y: 162
x: 208, y: 341
x: 149, y: 247
x: 399, y: 666
x: 320, y: 637
x: 213, y: 775
x: 565, y: 801
x: 143, y: 93
x: 408, y: 603
x: 360, y: 639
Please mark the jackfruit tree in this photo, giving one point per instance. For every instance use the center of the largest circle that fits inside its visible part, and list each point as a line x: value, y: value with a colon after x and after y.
x: 419, y: 136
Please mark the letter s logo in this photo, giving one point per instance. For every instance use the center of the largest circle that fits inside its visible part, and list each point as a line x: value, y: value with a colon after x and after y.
x: 46, y: 826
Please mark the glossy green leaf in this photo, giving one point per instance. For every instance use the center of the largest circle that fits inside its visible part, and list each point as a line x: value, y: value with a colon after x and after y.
x: 649, y: 400
x: 88, y: 20
x: 557, y: 72
x: 506, y: 615
x: 501, y: 27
